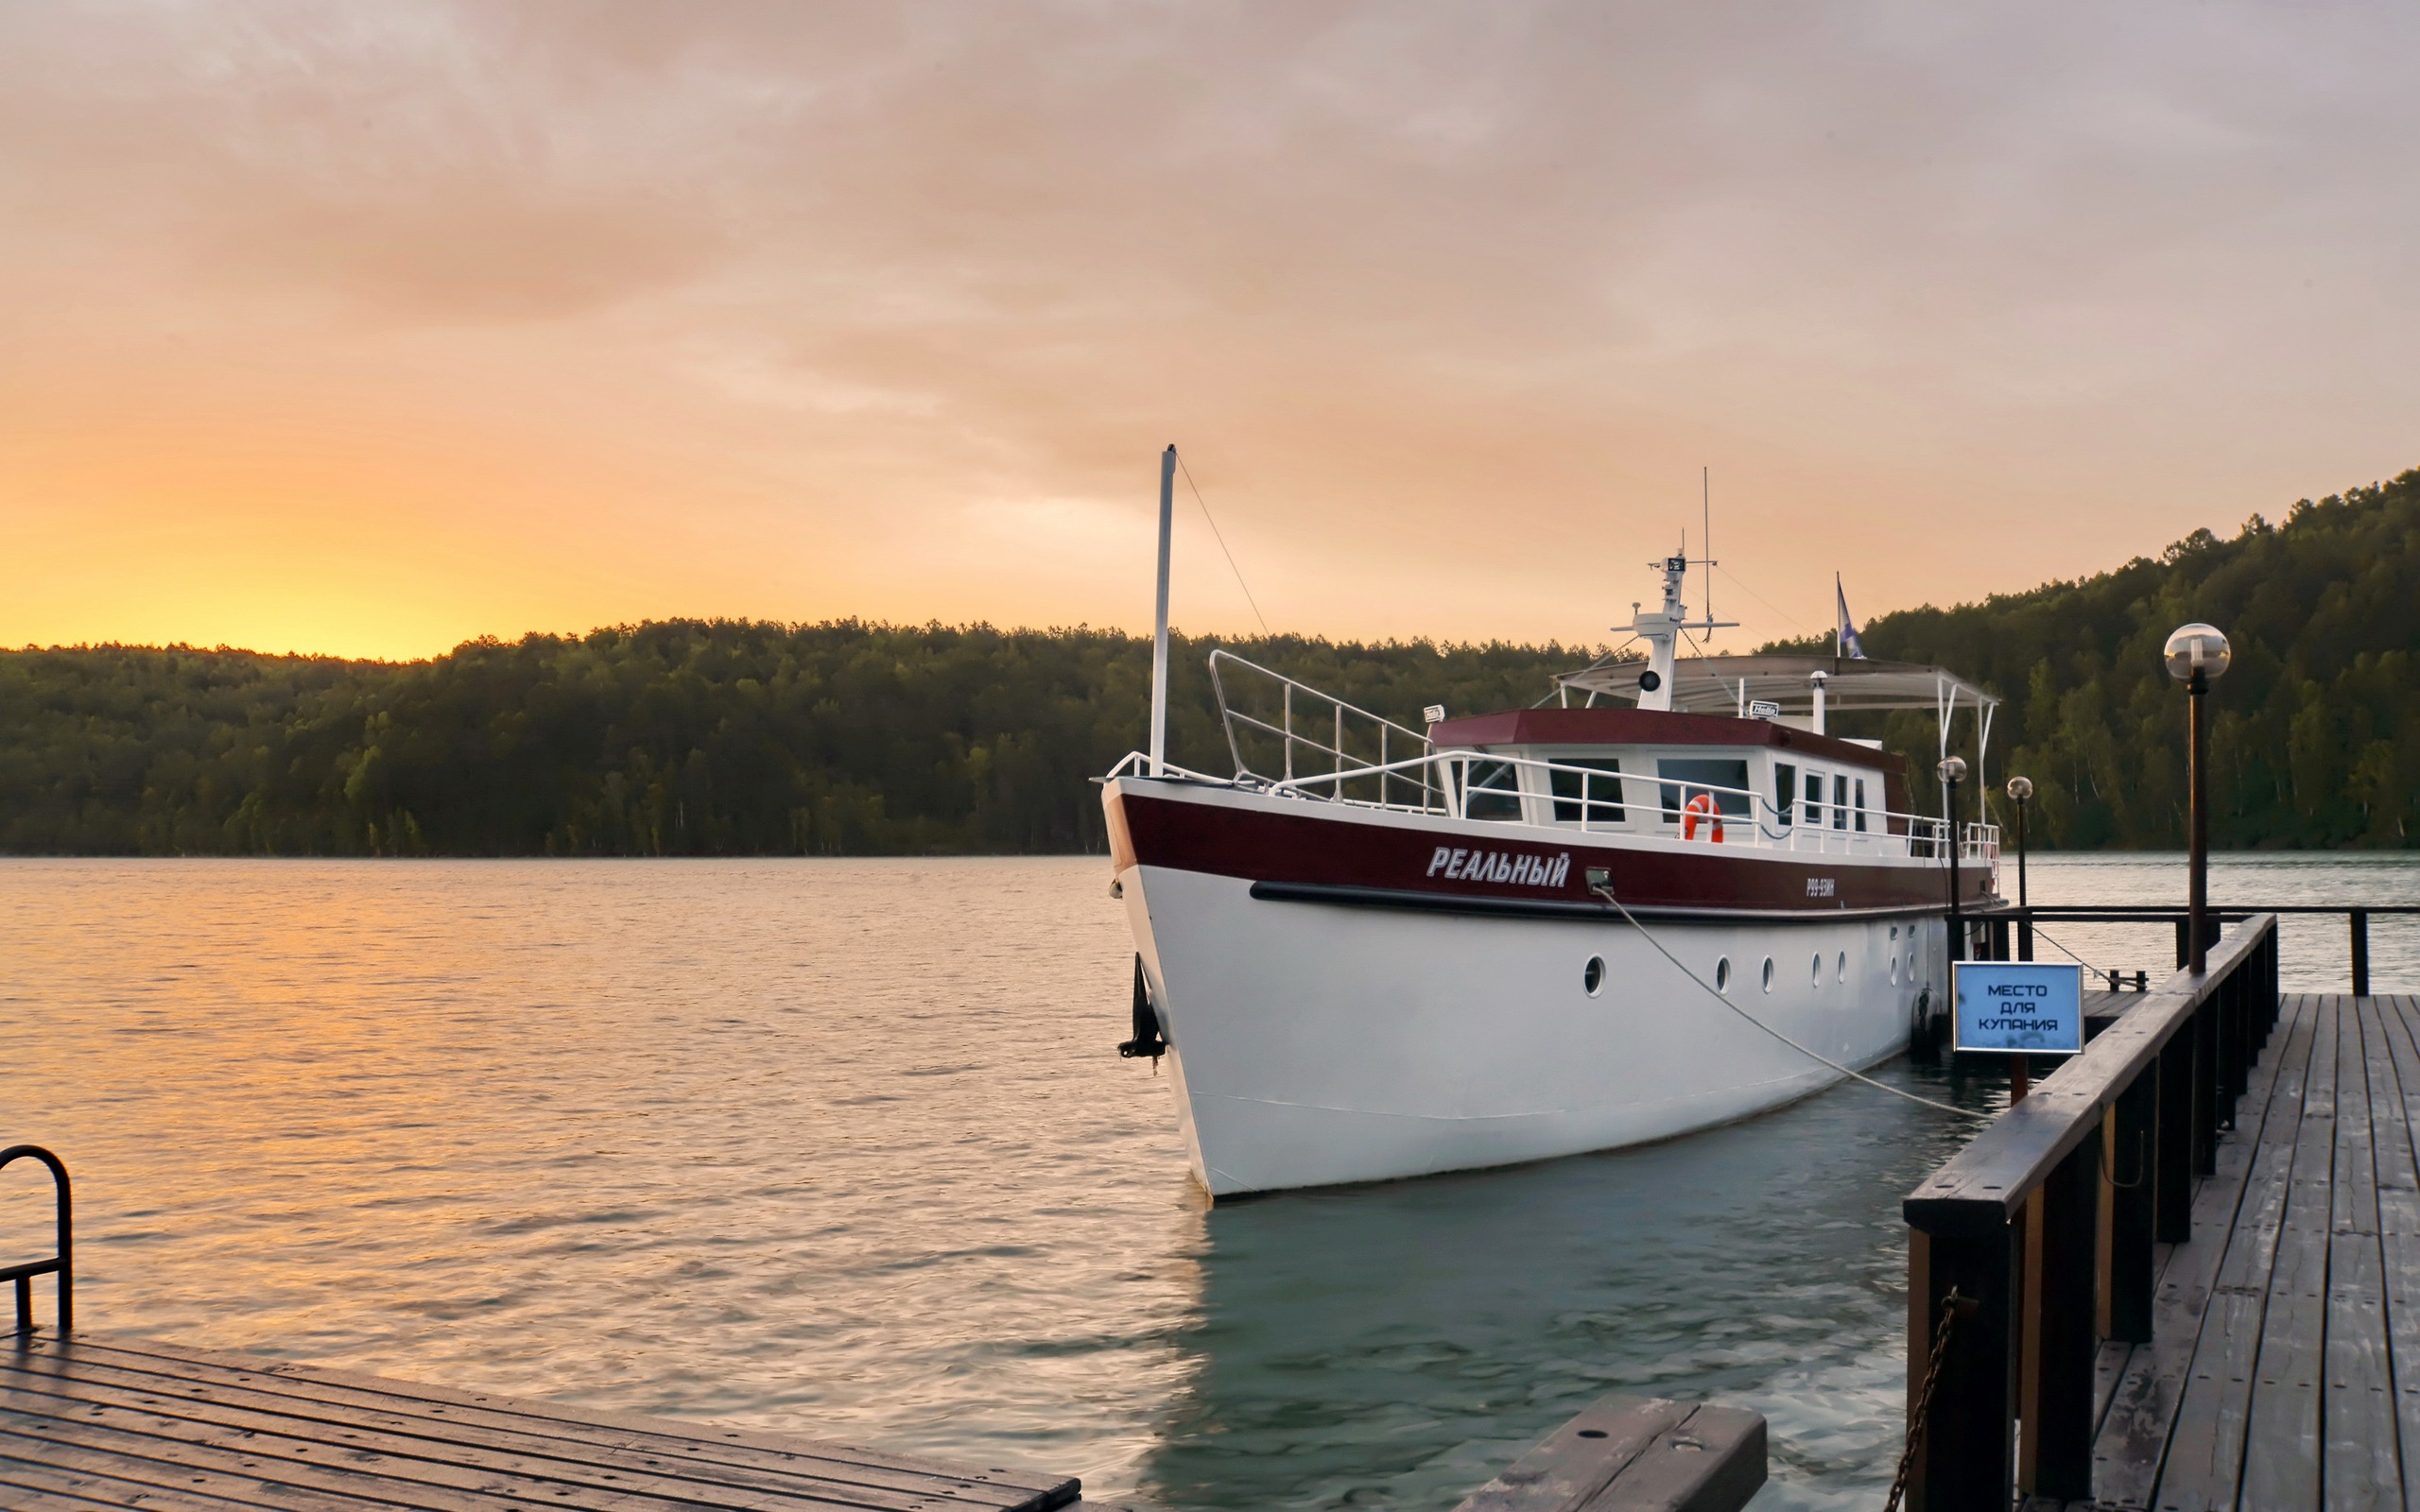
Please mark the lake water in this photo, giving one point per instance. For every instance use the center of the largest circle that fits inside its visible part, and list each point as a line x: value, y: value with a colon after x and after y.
x: 843, y: 1147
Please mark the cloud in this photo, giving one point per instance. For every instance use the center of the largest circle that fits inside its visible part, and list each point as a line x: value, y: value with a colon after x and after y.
x: 1437, y: 291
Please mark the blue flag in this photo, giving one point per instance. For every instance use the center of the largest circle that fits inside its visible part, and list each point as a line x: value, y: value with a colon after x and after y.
x: 1845, y: 641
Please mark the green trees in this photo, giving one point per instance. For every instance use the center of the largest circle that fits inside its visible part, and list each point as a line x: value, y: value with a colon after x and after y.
x: 726, y: 737
x: 682, y: 738
x: 2315, y: 730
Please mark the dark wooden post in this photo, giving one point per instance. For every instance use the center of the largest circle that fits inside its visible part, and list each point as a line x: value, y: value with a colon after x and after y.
x: 2231, y: 1068
x: 2245, y: 983
x: 2206, y: 1088
x: 2361, y: 953
x: 2134, y: 1188
x: 2269, y: 993
x: 1964, y: 1460
x: 2061, y: 1247
x: 2172, y: 1142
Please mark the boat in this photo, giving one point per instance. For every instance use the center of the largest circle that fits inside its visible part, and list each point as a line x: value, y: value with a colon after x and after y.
x: 1663, y: 899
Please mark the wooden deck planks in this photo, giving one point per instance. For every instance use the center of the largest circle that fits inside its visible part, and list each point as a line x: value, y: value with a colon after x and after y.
x: 208, y: 1405
x: 2360, y: 1469
x: 2292, y: 1377
x: 2187, y: 1400
x: 2281, y: 1449
x: 94, y: 1423
x: 335, y: 1394
x: 2394, y: 1101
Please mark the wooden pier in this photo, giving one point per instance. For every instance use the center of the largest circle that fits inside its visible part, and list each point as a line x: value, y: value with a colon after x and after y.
x: 90, y: 1423
x: 97, y: 1424
x: 2185, y: 1273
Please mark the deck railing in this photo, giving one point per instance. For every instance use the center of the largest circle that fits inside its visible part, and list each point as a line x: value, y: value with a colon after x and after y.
x: 1479, y: 785
x: 2035, y: 1240
x: 1307, y: 744
x: 1318, y: 733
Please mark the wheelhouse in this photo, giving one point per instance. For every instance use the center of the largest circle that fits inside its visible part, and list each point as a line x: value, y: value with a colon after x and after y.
x: 1626, y: 770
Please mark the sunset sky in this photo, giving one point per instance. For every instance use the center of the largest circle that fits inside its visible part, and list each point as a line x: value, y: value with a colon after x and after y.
x: 368, y: 329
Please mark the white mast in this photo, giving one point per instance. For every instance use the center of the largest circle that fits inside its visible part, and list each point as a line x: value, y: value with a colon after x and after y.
x: 1659, y: 630
x: 1160, y: 619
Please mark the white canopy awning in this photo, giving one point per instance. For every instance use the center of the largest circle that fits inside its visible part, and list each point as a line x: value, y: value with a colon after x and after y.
x: 1723, y: 684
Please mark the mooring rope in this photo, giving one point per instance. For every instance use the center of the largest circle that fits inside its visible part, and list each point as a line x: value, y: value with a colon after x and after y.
x: 1606, y: 892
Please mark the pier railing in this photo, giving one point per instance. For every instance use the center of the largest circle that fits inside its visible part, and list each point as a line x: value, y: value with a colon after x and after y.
x: 2035, y: 1242
x: 2017, y: 924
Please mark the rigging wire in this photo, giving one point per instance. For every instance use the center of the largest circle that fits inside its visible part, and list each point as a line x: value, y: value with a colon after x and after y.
x: 1759, y: 597
x: 1607, y: 894
x: 1220, y: 537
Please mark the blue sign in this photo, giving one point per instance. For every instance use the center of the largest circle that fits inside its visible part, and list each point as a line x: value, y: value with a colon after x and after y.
x: 2013, y: 1006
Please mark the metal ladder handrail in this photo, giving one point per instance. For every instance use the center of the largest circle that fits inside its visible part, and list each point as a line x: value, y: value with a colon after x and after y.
x: 63, y: 1263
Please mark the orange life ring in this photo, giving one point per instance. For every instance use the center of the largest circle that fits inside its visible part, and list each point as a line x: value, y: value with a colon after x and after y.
x: 1702, y: 807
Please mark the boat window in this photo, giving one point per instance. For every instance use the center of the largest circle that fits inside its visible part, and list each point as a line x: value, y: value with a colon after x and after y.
x: 1814, y: 801
x: 1785, y: 790
x: 1840, y: 802
x: 1585, y: 797
x: 1860, y: 804
x: 1493, y: 791
x: 1686, y: 777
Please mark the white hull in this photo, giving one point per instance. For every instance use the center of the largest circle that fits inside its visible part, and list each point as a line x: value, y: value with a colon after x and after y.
x: 1319, y: 1043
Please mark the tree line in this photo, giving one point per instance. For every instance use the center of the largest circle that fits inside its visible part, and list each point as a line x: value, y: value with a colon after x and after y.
x: 673, y: 738
x: 2314, y: 733
x: 850, y: 738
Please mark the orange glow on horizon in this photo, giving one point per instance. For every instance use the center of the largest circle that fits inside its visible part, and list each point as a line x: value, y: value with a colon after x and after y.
x: 368, y: 338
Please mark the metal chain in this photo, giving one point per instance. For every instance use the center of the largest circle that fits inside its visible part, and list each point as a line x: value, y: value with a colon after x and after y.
x: 1949, y: 1310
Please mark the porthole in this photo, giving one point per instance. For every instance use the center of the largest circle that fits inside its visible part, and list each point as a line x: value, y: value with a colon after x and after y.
x: 1843, y: 971
x: 1815, y: 970
x: 1592, y: 976
x: 1769, y: 973
x: 1894, y: 970
x: 1895, y: 933
x: 1723, y: 975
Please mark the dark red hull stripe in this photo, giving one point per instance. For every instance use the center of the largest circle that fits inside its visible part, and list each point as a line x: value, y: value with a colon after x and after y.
x: 1298, y: 844
x: 1594, y: 913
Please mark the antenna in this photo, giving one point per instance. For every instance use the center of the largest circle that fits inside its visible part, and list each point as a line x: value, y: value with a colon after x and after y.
x: 1705, y: 505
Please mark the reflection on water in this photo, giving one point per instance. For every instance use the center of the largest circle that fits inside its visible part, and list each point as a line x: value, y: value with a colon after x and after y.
x: 842, y: 1147
x: 1396, y: 1345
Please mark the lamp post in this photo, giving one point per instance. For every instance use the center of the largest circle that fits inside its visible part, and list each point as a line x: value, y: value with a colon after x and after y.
x: 1953, y: 771
x: 2197, y: 656
x: 2020, y: 790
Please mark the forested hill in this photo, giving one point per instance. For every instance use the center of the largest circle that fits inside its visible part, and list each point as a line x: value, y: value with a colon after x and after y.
x: 680, y: 738
x: 691, y: 738
x: 2315, y: 729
